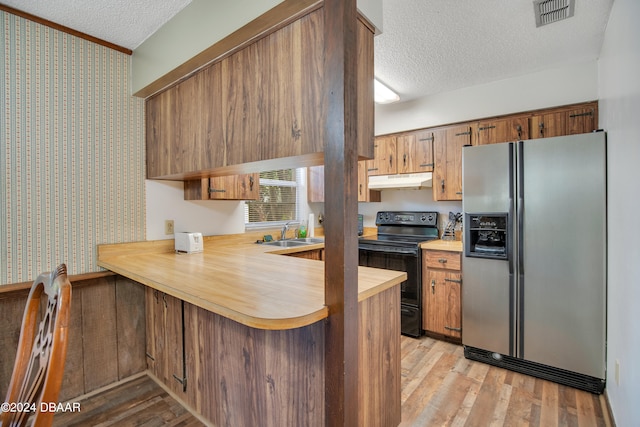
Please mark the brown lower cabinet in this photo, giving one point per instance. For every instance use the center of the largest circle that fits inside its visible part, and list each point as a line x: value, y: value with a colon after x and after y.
x: 244, y: 376
x: 441, y: 289
x: 317, y: 254
x: 165, y: 349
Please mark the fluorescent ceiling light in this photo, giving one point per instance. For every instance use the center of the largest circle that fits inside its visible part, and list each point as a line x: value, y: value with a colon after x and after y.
x: 384, y: 95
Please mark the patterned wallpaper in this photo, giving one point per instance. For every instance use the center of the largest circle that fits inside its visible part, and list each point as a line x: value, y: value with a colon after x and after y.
x: 72, y: 165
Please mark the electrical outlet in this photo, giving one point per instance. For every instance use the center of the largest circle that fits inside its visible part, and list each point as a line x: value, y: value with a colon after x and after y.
x: 168, y: 226
x: 617, y: 373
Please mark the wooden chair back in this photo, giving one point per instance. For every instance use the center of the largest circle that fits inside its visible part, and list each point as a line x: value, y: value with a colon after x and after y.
x: 42, y: 349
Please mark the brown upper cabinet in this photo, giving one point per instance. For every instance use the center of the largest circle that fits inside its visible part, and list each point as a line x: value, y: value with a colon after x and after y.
x: 502, y: 130
x: 384, y: 160
x: 566, y: 121
x: 262, y: 102
x: 315, y: 184
x: 233, y: 187
x: 409, y: 152
x: 447, y: 173
x: 415, y: 152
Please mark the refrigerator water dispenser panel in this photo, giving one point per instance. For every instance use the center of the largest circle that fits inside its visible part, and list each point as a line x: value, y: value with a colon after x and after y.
x: 487, y: 235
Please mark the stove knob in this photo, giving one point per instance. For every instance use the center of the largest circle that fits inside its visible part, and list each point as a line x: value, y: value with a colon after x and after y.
x: 423, y: 218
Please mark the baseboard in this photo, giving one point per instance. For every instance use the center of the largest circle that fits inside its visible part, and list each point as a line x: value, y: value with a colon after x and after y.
x: 106, y: 387
x: 193, y: 412
x: 609, y: 420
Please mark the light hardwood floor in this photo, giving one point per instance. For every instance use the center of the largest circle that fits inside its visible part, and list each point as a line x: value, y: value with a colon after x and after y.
x: 442, y: 388
x: 439, y: 388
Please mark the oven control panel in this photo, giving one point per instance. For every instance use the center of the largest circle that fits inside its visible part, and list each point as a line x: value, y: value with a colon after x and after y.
x: 407, y: 218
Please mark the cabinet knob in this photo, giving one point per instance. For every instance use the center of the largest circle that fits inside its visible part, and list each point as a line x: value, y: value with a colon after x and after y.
x: 442, y: 260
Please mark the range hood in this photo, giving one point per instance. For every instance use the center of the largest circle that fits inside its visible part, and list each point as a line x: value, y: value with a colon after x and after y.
x: 410, y: 181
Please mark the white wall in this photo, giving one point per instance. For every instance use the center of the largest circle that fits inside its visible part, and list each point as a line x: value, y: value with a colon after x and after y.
x: 196, y: 27
x: 570, y: 84
x: 619, y: 86
x: 165, y: 200
x: 559, y: 86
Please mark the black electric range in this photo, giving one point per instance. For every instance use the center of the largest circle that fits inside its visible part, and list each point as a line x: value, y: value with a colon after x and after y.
x: 397, y: 247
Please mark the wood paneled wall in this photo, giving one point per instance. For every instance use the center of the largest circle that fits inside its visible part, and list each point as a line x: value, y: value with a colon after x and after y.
x: 106, y: 340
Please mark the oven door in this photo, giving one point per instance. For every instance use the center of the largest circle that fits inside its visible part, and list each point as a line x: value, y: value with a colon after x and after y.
x: 408, y: 261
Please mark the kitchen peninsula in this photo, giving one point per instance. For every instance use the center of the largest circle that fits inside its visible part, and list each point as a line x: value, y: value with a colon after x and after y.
x: 238, y: 332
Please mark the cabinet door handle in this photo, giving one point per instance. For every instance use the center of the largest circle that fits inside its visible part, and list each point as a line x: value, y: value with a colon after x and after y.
x: 183, y: 380
x: 391, y: 161
x: 372, y: 169
x: 442, y: 185
x: 442, y: 260
x: 216, y: 190
x: 588, y: 113
x: 541, y: 126
x: 250, y: 183
x: 433, y: 286
x: 454, y: 280
x: 404, y: 160
x: 360, y: 189
x: 426, y: 165
x: 453, y: 329
x: 519, y: 129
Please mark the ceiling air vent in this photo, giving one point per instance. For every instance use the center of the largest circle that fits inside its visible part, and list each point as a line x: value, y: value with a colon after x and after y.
x: 548, y: 11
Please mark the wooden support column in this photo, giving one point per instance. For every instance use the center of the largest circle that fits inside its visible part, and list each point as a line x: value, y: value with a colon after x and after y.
x: 341, y: 205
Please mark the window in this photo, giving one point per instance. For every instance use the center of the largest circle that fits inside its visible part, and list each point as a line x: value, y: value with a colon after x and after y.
x: 279, y: 198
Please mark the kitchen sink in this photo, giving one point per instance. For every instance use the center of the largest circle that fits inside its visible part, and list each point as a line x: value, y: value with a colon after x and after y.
x: 286, y: 243
x: 309, y: 240
x: 294, y: 242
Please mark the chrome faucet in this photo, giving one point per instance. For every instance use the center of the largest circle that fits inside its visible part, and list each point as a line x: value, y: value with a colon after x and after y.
x: 283, y: 232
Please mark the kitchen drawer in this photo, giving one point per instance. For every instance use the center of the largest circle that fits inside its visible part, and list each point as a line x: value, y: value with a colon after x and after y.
x: 442, y: 259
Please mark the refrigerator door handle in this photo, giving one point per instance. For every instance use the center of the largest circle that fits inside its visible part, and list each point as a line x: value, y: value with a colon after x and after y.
x: 520, y: 208
x: 510, y: 229
x: 510, y: 249
x: 520, y: 212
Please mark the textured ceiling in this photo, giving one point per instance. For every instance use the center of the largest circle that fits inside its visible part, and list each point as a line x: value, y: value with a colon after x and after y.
x: 427, y: 46
x: 126, y: 23
x: 431, y: 46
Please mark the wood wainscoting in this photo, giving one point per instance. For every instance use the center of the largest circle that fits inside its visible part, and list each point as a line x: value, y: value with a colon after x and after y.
x: 107, y: 333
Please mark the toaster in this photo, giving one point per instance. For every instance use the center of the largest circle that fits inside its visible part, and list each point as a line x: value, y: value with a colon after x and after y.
x: 188, y: 242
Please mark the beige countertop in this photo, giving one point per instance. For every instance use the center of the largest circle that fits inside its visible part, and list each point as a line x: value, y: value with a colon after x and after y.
x: 250, y: 283
x: 443, y: 245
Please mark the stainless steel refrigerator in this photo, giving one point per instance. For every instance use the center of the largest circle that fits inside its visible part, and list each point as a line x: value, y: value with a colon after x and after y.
x: 534, y: 267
